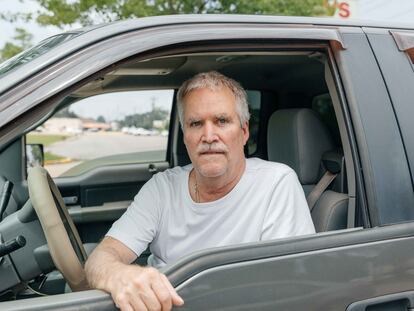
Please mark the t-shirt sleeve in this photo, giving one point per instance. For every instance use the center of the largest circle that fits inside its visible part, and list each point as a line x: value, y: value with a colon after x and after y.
x: 138, y: 226
x: 288, y: 212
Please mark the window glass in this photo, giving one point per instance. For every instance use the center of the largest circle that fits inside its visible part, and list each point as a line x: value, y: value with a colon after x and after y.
x: 108, y: 129
x: 34, y: 52
x: 322, y: 104
x: 254, y: 100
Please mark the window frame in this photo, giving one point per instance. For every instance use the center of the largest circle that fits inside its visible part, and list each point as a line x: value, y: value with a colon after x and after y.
x: 60, y: 107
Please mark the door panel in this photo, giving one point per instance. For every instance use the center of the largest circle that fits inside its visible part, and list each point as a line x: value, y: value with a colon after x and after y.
x: 325, y: 272
x: 328, y: 271
x: 86, y: 300
x: 384, y: 166
x: 104, y: 194
x: 397, y: 70
x: 395, y: 302
x: 93, y: 188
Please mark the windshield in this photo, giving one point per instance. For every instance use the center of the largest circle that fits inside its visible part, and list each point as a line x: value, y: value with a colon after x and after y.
x: 34, y: 52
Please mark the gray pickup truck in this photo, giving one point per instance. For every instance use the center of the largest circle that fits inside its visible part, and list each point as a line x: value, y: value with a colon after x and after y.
x: 96, y: 107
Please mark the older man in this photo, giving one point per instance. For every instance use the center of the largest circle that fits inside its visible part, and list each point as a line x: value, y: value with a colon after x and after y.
x: 221, y: 199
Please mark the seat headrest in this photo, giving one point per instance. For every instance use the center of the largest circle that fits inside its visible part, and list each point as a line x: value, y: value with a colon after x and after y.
x: 298, y: 138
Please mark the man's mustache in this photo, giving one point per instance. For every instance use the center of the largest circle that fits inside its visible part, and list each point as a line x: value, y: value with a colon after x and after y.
x: 214, y: 147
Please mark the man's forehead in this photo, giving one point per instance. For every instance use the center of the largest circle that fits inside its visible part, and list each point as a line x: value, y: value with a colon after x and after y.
x: 198, y: 110
x: 210, y: 91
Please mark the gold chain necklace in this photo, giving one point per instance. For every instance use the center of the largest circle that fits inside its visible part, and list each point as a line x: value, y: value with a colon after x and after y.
x: 195, y: 189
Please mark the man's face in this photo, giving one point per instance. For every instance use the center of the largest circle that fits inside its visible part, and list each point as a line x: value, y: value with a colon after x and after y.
x: 212, y: 132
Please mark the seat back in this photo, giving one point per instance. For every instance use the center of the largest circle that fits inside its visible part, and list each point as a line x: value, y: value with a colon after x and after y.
x: 298, y: 138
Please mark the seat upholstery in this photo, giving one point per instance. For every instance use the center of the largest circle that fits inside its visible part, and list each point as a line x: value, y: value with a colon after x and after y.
x: 298, y: 138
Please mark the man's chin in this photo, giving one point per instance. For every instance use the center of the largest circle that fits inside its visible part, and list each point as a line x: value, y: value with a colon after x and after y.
x: 212, y: 170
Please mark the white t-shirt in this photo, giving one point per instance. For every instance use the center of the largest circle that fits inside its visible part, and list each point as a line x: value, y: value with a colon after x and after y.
x: 267, y: 203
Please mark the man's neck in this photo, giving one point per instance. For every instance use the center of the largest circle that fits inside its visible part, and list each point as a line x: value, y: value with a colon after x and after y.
x: 208, y: 189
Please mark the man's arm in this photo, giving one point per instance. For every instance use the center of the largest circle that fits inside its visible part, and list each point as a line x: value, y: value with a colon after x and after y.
x: 132, y: 287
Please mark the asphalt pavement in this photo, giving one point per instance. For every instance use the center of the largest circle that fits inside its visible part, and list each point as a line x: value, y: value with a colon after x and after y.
x: 89, y: 146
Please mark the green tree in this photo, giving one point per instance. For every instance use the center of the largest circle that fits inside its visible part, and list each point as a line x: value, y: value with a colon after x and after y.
x: 63, y: 13
x: 65, y: 113
x: 22, y: 40
x: 86, y: 12
x: 145, y: 120
x: 101, y: 119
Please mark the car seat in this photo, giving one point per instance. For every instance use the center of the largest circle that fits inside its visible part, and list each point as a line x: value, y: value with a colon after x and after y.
x: 298, y: 138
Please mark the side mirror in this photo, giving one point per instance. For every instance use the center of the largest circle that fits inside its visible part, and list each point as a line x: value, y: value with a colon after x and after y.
x: 34, y: 155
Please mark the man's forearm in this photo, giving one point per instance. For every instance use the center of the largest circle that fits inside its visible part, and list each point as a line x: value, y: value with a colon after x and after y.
x: 101, y: 265
x: 132, y: 287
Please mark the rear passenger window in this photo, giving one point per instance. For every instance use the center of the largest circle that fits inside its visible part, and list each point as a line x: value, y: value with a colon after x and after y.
x: 322, y: 104
x: 254, y: 100
x: 108, y: 129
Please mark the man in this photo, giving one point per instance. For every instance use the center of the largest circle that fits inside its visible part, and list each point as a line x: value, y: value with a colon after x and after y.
x: 220, y: 199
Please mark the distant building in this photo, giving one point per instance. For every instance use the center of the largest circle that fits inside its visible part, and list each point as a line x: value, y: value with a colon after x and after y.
x: 63, y: 125
x: 93, y: 126
x: 73, y: 126
x: 115, y: 126
x: 159, y: 124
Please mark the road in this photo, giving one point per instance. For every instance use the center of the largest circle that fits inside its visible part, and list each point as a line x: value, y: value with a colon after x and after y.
x: 95, y: 145
x: 90, y: 146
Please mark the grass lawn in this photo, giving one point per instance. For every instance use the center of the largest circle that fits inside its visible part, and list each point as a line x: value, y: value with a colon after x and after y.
x: 52, y: 157
x: 45, y: 140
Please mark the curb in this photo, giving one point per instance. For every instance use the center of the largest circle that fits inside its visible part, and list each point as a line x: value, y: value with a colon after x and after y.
x: 62, y: 161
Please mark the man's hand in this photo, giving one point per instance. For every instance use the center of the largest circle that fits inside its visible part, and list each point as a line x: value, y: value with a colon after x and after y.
x: 137, y: 288
x: 133, y: 288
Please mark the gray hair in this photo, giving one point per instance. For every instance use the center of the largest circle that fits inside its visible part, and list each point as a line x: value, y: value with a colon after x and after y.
x: 214, y: 80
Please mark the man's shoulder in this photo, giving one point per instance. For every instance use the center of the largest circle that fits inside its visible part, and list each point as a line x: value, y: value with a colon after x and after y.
x: 268, y: 167
x: 172, y: 174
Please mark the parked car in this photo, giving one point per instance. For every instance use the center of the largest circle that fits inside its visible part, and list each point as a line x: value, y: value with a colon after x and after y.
x: 325, y: 96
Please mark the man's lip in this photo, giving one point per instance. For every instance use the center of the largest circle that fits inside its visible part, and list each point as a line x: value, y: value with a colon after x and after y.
x: 212, y: 152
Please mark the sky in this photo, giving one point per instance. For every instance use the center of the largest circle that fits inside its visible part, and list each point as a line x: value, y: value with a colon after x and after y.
x: 25, y: 6
x: 116, y: 106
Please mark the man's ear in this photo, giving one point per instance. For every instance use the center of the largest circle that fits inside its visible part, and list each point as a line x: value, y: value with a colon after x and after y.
x: 245, y: 130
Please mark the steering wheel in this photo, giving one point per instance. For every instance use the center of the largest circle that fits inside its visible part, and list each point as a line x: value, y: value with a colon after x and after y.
x: 62, y: 237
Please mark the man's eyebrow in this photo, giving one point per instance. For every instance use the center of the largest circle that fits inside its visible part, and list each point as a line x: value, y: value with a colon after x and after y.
x: 217, y: 116
x: 224, y: 114
x: 192, y: 119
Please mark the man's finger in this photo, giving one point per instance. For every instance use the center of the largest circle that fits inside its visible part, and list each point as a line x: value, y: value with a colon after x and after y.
x: 176, y: 299
x: 163, y: 294
x: 137, y: 304
x: 150, y: 300
x: 127, y: 307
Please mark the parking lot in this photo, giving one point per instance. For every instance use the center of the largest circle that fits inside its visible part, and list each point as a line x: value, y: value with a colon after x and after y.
x: 89, y: 146
x: 95, y: 145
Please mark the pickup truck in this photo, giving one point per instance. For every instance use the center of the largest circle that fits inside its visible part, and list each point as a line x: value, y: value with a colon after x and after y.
x: 96, y: 107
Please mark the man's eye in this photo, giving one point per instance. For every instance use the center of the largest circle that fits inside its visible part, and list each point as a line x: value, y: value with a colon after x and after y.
x: 195, y: 123
x: 222, y: 121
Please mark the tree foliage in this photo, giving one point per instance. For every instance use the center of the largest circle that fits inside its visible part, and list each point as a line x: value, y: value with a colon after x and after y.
x: 63, y: 13
x: 65, y: 113
x: 145, y: 120
x: 21, y: 41
x: 86, y: 12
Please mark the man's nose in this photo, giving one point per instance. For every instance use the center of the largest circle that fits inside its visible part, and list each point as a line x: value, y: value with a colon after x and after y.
x: 209, y: 133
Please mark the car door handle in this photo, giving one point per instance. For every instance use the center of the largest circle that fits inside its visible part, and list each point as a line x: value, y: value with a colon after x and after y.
x: 70, y: 200
x: 396, y: 302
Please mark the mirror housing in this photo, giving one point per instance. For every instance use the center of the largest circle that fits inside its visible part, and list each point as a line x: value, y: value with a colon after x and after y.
x: 34, y: 155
